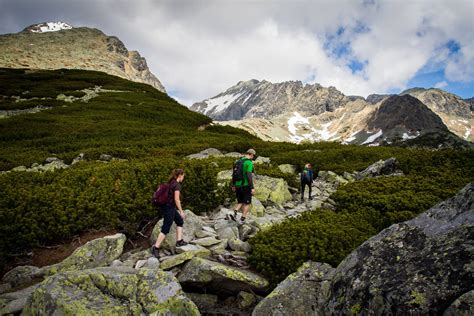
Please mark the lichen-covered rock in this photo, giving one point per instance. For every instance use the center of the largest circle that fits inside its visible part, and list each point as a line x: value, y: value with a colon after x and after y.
x: 219, y: 278
x: 247, y: 300
x: 262, y: 160
x: 463, y: 306
x: 257, y: 208
x: 301, y: 293
x: 205, y: 242
x: 106, y: 291
x: 192, y: 224
x: 266, y: 188
x: 332, y: 178
x: 206, y: 153
x: 203, y: 301
x: 239, y: 245
x: 415, y: 267
x: 95, y: 253
x: 21, y: 275
x: 220, y: 248
x: 14, y: 302
x: 173, y: 261
x: 287, y: 168
x: 381, y: 168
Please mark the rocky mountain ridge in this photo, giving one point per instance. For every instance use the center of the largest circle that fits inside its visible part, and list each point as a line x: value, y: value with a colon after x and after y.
x: 292, y: 111
x: 56, y: 45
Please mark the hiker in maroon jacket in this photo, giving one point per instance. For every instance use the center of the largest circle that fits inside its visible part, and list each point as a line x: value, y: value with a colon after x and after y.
x: 172, y: 211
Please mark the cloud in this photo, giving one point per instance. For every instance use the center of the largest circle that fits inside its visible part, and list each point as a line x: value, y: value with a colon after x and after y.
x: 200, y: 48
x: 441, y: 85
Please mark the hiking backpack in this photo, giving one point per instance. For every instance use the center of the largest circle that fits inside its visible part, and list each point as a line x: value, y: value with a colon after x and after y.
x: 238, y: 171
x: 161, y: 195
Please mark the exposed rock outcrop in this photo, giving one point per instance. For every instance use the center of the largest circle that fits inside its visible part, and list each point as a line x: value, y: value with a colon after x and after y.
x: 416, y: 267
x: 301, y: 293
x: 74, y: 48
x: 104, y: 290
x: 389, y: 167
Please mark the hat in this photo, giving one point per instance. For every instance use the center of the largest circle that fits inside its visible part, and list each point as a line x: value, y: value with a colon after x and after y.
x: 251, y: 151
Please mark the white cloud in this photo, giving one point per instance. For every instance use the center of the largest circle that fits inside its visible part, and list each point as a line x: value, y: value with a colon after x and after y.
x: 441, y: 84
x: 200, y: 48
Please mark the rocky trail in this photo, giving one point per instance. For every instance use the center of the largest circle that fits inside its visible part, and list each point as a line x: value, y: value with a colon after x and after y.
x: 211, y: 276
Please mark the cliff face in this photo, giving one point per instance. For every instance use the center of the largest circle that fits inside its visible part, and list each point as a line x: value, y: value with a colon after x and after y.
x: 55, y: 46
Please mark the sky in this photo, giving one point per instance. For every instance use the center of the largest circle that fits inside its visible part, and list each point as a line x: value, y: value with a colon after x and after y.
x: 199, y: 49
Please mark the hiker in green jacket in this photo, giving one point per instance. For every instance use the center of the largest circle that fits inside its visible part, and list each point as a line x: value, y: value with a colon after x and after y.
x: 244, y: 189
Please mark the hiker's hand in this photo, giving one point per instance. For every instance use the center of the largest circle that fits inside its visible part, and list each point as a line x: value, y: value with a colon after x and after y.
x: 233, y: 188
x: 253, y: 191
x: 182, y: 214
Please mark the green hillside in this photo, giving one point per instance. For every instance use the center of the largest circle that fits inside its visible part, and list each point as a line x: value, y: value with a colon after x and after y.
x: 151, y: 134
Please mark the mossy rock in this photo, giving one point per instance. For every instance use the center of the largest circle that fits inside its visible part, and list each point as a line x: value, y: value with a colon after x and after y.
x: 110, y: 291
x: 176, y: 260
x: 219, y: 278
x: 99, y: 252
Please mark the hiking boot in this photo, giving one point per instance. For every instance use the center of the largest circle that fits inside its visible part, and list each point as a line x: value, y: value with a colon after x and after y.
x: 181, y: 243
x: 155, y: 252
x: 233, y: 216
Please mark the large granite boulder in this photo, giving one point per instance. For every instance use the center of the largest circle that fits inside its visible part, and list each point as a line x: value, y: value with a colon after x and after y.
x: 267, y: 189
x: 14, y: 302
x: 99, y: 252
x: 463, y: 306
x: 219, y: 278
x: 206, y: 153
x: 192, y: 224
x: 389, y: 167
x: 416, y: 267
x: 301, y: 293
x: 287, y: 168
x: 22, y: 275
x: 107, y: 291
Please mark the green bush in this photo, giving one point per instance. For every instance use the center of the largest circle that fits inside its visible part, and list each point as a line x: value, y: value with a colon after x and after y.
x: 320, y: 235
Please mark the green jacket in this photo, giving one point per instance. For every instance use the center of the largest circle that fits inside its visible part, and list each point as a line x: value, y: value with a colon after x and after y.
x: 247, y: 168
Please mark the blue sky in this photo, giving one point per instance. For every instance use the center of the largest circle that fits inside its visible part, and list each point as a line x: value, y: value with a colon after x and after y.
x: 199, y: 48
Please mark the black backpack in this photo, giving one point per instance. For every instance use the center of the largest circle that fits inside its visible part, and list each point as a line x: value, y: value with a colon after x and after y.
x: 238, y: 171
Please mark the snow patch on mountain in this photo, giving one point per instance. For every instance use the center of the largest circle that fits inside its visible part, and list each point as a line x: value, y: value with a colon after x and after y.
x: 221, y: 103
x: 49, y: 27
x: 372, y: 138
x: 406, y: 136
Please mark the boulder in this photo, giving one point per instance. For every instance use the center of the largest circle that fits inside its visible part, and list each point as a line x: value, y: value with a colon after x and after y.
x: 287, y: 168
x: 463, y: 306
x: 120, y: 291
x: 219, y: 278
x: 267, y: 189
x: 416, y: 267
x: 257, y: 208
x: 389, y: 167
x: 233, y: 154
x: 228, y: 232
x: 105, y: 157
x: 301, y: 293
x: 206, y: 153
x: 239, y: 245
x: 206, y: 242
x: 247, y: 300
x: 192, y: 224
x: 176, y: 260
x: 203, y: 301
x: 262, y: 160
x: 332, y: 178
x: 99, y: 252
x: 14, y: 302
x: 130, y: 258
x: 22, y: 275
x: 220, y: 248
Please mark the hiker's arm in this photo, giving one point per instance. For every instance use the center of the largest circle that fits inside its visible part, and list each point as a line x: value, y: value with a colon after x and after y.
x: 177, y: 201
x: 251, y: 177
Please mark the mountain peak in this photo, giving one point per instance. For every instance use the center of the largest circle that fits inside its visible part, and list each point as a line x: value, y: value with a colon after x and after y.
x: 48, y: 27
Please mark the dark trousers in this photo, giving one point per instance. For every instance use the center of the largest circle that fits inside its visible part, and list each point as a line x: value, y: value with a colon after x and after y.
x: 170, y: 215
x: 303, y: 185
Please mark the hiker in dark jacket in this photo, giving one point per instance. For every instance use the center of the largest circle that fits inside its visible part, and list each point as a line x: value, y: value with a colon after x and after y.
x: 172, y: 211
x: 307, y: 178
x: 244, y: 189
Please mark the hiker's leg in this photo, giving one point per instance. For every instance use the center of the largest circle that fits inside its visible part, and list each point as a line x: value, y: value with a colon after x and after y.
x: 238, y: 207
x: 168, y: 216
x: 245, y: 210
x: 302, y: 190
x: 309, y: 193
x: 179, y: 226
x: 159, y: 240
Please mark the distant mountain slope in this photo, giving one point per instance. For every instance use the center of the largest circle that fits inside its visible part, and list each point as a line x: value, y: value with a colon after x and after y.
x: 292, y: 111
x: 56, y: 45
x: 63, y: 113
